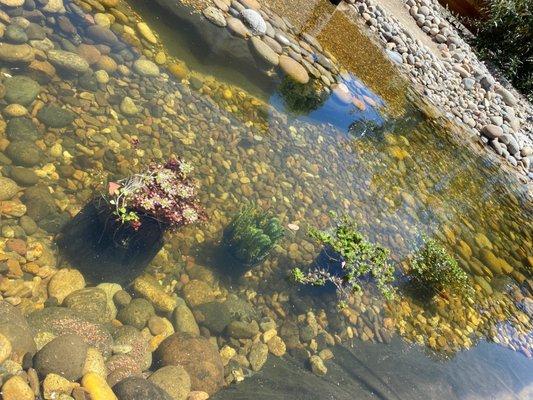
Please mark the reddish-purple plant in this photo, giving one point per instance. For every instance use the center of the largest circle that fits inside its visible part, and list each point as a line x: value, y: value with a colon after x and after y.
x: 164, y: 192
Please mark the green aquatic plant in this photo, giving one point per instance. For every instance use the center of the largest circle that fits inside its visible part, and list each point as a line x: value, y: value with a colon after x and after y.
x: 252, y: 234
x: 349, y: 259
x: 436, y: 271
x: 301, y: 98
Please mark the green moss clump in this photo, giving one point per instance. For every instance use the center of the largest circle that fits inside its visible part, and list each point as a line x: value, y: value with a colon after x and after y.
x: 252, y: 234
x: 437, y: 271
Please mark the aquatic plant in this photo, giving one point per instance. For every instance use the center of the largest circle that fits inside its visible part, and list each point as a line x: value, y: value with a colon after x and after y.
x: 164, y: 192
x: 353, y: 257
x: 436, y: 271
x: 252, y: 234
x: 302, y: 98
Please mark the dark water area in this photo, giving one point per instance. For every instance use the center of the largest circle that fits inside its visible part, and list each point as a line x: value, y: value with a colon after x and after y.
x: 396, y: 371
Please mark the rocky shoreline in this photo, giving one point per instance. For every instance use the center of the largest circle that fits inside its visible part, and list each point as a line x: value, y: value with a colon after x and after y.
x: 454, y: 80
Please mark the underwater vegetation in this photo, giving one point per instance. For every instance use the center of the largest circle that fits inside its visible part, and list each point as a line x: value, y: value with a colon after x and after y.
x: 349, y: 259
x: 435, y: 271
x: 251, y: 235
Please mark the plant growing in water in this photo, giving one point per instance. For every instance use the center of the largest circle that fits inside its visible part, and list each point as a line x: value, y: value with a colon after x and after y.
x: 164, y: 192
x: 357, y: 257
x: 252, y: 234
x: 438, y: 272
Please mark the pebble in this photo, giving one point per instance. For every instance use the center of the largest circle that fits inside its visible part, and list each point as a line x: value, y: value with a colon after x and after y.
x: 317, y: 366
x: 492, y: 131
x: 146, y: 32
x: 128, y: 107
x: 237, y: 28
x: 174, y: 380
x: 64, y: 356
x: 8, y: 188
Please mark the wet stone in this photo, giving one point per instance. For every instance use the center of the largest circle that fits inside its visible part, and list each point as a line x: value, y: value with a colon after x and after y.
x: 264, y: 51
x: 199, y: 358
x: 136, y: 313
x: 64, y: 356
x: 8, y: 189
x: 24, y: 153
x: 90, y: 303
x: 293, y: 69
x: 237, y: 28
x: 492, y: 131
x: 174, y: 380
x: 146, y: 67
x: 136, y: 388
x: 215, y: 16
x: 68, y: 61
x: 54, y: 116
x: 15, y: 328
x: 15, y: 34
x: 21, y: 90
x: 22, y: 129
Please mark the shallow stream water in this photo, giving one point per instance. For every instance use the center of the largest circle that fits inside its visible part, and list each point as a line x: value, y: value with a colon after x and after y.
x: 397, y: 167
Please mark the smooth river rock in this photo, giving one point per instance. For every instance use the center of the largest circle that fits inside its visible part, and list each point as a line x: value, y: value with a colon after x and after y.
x: 68, y: 61
x: 264, y: 51
x: 293, y: 69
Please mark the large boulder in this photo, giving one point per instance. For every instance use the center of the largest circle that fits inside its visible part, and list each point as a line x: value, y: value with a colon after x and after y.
x: 198, y: 356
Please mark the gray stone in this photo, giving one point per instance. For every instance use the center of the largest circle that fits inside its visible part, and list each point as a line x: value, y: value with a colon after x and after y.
x: 183, y: 319
x: 68, y: 61
x: 492, y: 131
x: 215, y: 16
x: 263, y: 51
x: 22, y: 129
x: 174, y: 380
x: 507, y: 96
x: 64, y: 321
x: 54, y: 116
x: 90, y: 303
x: 21, y: 90
x: 15, y: 328
x: 24, y: 153
x: 253, y: 20
x: 146, y: 67
x: 137, y: 313
x: 137, y: 388
x: 511, y: 143
x: 64, y: 356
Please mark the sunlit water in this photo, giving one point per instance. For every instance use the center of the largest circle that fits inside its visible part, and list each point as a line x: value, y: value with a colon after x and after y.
x: 399, y: 176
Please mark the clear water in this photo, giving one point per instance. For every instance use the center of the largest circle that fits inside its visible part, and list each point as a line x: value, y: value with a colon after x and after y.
x: 397, y: 171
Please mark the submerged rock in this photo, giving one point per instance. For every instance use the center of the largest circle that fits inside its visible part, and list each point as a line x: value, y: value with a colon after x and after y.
x: 63, y: 321
x: 24, y: 153
x: 215, y: 16
x: 199, y: 358
x: 14, y: 53
x: 8, y: 188
x: 68, y: 61
x: 54, y: 116
x: 16, y: 329
x: 22, y: 128
x: 146, y: 67
x: 64, y: 356
x: 21, y: 90
x: 136, y: 388
x: 174, y: 380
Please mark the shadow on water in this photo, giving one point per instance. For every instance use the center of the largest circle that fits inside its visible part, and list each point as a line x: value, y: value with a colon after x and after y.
x: 395, y: 371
